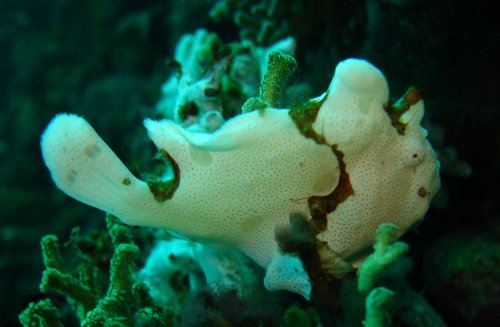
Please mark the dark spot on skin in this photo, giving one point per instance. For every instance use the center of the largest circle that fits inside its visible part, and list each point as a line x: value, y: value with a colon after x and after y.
x: 71, y: 176
x: 92, y: 151
x: 414, y: 155
x: 422, y: 192
x: 251, y: 224
x: 126, y: 181
x: 171, y: 257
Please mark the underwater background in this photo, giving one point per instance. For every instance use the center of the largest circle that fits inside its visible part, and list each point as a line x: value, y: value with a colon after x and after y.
x: 107, y: 61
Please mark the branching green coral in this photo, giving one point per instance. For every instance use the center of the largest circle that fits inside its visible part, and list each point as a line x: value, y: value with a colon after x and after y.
x: 279, y: 68
x: 118, y: 307
x: 119, y: 233
x: 262, y: 22
x: 40, y: 314
x: 80, y: 295
x: 385, y: 254
x: 254, y: 103
x: 114, y: 307
x: 378, y: 305
x: 126, y: 301
x: 296, y: 317
x: 50, y: 252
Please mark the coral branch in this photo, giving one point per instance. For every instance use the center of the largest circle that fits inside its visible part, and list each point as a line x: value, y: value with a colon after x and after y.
x: 385, y: 254
x: 378, y: 305
x: 42, y: 313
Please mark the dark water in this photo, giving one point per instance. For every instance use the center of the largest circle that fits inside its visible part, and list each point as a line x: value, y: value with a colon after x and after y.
x: 107, y: 61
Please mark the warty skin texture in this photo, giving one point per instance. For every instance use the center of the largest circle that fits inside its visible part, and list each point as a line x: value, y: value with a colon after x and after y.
x: 237, y: 185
